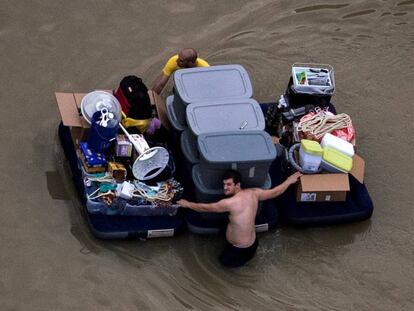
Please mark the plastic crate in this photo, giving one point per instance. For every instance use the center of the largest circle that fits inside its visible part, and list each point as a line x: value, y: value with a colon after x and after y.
x: 251, y: 153
x: 213, y: 83
x: 225, y: 115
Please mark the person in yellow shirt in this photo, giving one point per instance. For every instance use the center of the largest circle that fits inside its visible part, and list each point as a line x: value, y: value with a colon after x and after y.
x: 186, y: 58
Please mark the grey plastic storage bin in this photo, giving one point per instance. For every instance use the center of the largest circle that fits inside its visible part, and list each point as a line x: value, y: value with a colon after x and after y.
x: 172, y: 115
x: 206, y: 194
x: 242, y: 114
x: 251, y: 153
x: 189, y: 147
x: 213, y: 83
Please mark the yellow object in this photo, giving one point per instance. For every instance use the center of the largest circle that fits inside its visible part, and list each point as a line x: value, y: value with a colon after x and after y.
x: 172, y: 65
x: 117, y: 170
x: 337, y: 159
x: 141, y: 125
x: 311, y: 147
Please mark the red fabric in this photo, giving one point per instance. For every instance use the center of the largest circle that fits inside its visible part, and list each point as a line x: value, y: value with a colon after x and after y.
x: 122, y: 100
x: 347, y: 133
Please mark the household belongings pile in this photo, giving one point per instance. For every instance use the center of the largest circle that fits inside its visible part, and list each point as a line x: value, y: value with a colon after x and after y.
x: 122, y: 174
x: 306, y: 120
x: 219, y: 126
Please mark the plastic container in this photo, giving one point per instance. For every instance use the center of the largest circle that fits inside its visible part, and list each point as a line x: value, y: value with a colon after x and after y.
x: 172, y: 115
x: 337, y: 143
x: 120, y: 206
x: 251, y: 153
x: 335, y: 161
x: 300, y: 95
x: 210, y: 84
x: 188, y: 143
x: 313, y: 78
x: 225, y: 115
x: 116, y: 226
x: 189, y: 147
x: 213, y: 193
x: 310, y: 155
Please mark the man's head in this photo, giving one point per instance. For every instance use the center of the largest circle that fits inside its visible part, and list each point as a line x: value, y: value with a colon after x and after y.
x: 231, y: 182
x: 187, y: 58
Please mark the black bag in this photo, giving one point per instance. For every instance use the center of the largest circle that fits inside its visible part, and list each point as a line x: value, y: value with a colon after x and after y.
x: 297, y: 100
x: 132, y: 94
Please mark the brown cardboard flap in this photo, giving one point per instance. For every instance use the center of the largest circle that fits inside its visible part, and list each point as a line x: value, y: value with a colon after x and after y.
x: 159, y: 103
x: 68, y: 110
x: 78, y: 99
x: 324, y: 182
x: 358, y: 168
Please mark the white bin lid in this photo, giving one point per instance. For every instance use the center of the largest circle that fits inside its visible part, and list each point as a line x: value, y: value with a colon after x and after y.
x: 225, y: 115
x: 214, y: 82
x: 224, y: 147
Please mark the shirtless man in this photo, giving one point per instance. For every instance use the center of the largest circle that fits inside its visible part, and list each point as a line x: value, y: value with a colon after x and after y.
x: 241, y: 205
x: 186, y: 58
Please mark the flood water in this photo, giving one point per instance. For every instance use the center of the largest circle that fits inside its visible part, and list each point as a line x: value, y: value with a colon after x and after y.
x: 50, y: 261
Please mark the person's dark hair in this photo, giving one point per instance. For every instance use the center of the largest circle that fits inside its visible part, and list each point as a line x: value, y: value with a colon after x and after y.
x: 235, y: 175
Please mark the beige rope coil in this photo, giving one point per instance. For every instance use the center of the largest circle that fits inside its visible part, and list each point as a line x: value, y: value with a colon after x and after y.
x: 321, y: 123
x: 163, y: 194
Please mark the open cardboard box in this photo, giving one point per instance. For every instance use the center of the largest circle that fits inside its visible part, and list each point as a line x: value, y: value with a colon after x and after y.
x: 69, y: 108
x: 329, y: 187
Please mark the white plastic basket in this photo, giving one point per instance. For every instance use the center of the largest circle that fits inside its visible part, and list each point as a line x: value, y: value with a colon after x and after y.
x: 313, y: 78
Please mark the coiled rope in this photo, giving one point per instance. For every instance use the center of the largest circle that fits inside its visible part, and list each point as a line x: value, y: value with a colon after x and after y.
x: 163, y: 194
x: 320, y: 123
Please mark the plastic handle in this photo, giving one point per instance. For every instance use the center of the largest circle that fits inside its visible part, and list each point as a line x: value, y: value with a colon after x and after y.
x: 259, y: 113
x: 245, y: 78
x: 190, y: 116
x: 197, y: 178
x: 178, y: 82
x: 295, y: 165
x: 192, y: 158
x: 172, y: 112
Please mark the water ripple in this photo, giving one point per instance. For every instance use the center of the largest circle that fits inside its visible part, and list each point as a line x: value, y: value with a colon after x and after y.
x: 360, y: 13
x: 321, y: 7
x: 400, y: 14
x: 408, y: 2
x: 241, y: 34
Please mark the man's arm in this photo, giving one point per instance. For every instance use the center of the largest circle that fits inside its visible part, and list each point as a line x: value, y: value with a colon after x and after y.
x: 160, y: 83
x: 217, y: 207
x: 278, y: 190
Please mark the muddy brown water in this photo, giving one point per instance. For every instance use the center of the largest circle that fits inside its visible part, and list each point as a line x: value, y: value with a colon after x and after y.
x: 48, y: 258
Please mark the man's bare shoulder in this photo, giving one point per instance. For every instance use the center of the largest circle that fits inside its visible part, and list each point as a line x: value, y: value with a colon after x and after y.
x: 251, y: 191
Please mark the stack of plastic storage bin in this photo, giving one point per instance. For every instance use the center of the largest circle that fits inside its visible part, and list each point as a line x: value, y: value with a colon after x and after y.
x: 220, y: 127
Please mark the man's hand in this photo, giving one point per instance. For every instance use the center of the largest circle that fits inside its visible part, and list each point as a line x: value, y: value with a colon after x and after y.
x: 293, y: 178
x: 184, y: 203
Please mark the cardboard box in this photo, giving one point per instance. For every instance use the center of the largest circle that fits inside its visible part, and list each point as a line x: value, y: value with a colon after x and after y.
x: 118, y: 171
x: 329, y: 187
x: 69, y: 107
x: 159, y: 103
x: 123, y: 147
